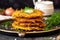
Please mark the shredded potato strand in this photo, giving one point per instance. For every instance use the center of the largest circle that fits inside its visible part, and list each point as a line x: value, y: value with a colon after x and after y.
x: 21, y: 18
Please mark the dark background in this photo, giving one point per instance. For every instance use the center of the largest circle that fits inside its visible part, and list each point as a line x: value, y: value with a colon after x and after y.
x: 18, y: 4
x: 56, y: 4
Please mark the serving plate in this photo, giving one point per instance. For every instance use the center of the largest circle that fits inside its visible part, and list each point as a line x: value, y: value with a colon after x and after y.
x: 2, y: 17
x: 23, y: 33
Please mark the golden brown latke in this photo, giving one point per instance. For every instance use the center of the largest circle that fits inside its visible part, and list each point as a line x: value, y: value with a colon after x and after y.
x: 28, y: 21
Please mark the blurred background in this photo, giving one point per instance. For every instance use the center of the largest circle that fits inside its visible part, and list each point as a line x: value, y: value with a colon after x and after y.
x: 18, y: 4
x: 56, y: 4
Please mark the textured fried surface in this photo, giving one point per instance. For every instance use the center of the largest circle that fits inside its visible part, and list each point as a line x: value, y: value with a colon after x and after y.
x: 21, y: 13
x: 16, y: 26
x: 31, y: 21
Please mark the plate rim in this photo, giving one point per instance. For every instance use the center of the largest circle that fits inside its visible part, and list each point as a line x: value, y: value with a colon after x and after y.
x: 9, y: 31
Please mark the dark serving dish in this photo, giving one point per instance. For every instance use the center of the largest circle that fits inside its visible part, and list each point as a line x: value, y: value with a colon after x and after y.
x: 22, y: 33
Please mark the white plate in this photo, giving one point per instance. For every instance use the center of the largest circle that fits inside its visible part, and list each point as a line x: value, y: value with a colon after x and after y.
x: 2, y: 17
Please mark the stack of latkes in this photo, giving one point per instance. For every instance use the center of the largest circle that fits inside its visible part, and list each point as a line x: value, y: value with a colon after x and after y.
x: 28, y: 21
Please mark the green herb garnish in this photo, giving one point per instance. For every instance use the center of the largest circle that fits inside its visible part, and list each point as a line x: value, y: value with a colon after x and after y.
x: 53, y: 20
x: 28, y: 10
x: 6, y: 24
